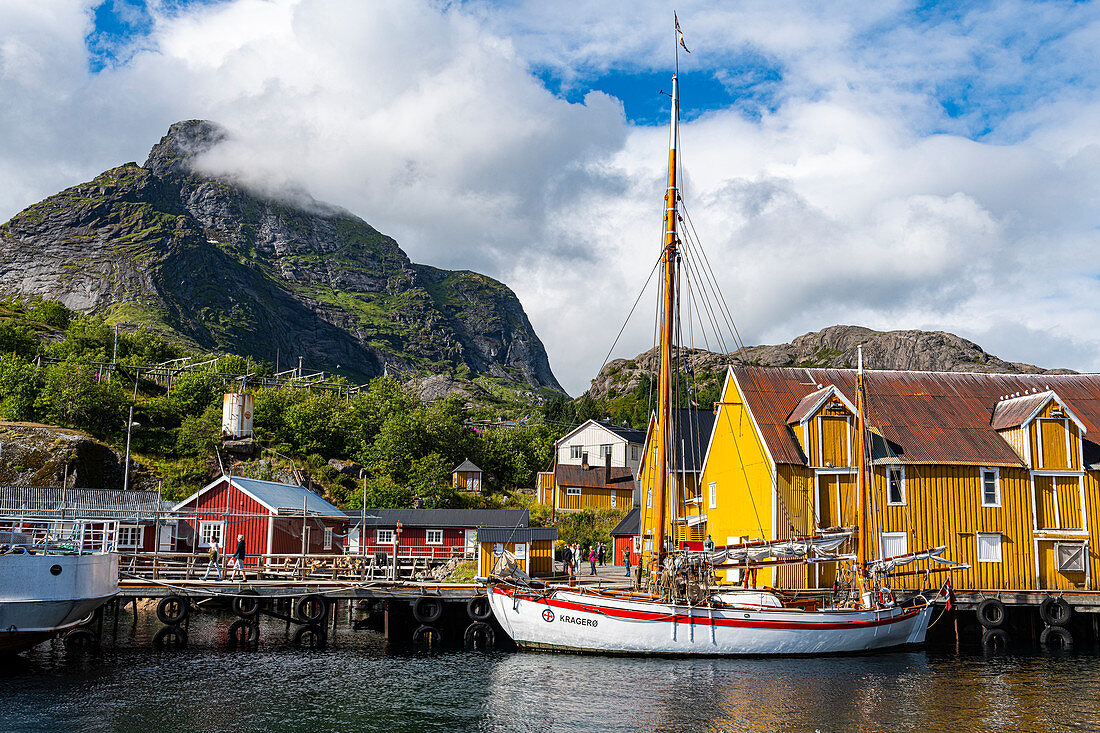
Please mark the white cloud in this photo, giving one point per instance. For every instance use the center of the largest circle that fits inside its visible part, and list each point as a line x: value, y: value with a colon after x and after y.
x: 933, y: 171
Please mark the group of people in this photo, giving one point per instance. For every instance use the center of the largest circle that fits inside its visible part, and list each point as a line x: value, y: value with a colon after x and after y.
x: 236, y: 562
x: 573, y: 555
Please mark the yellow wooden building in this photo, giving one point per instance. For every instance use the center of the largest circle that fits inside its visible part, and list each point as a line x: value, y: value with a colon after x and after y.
x: 688, y: 499
x: 998, y: 468
x: 466, y: 477
x: 532, y: 548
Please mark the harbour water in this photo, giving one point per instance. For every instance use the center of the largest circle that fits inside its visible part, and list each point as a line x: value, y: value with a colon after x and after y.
x: 358, y: 684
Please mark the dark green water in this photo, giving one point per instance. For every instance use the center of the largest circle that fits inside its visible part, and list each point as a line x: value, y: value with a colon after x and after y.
x: 357, y: 685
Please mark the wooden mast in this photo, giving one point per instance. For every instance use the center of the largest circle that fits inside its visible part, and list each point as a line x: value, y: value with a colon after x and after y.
x: 863, y: 535
x: 668, y: 309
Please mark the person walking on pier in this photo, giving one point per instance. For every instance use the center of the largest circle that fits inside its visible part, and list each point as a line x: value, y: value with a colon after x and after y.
x: 237, y: 562
x: 592, y: 559
x: 602, y: 554
x: 626, y: 561
x: 567, y: 559
x: 212, y: 562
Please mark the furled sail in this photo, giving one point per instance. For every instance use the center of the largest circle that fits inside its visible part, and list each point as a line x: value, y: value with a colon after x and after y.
x: 780, y: 549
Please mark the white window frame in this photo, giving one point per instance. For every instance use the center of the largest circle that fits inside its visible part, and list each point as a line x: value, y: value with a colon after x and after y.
x: 996, y: 486
x: 633, y: 452
x: 133, y: 534
x: 576, y: 451
x: 206, y: 537
x: 572, y: 490
x: 883, y: 536
x: 429, y: 534
x: 892, y: 471
x: 328, y: 538
x: 1077, y: 546
x: 606, y: 449
x: 712, y: 491
x: 384, y: 537
x: 996, y: 554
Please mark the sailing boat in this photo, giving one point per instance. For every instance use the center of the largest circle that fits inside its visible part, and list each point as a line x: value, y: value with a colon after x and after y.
x: 679, y: 611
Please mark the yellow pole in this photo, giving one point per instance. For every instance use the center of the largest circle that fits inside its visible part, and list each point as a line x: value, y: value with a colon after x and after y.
x: 862, y: 535
x: 664, y: 404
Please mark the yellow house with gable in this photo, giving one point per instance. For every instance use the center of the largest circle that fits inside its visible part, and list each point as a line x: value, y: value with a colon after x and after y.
x: 998, y: 468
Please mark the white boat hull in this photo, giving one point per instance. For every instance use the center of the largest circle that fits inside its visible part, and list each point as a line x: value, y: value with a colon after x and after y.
x: 42, y: 594
x: 569, y: 620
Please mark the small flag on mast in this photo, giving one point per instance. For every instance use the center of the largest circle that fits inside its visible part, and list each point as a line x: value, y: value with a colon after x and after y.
x: 680, y: 33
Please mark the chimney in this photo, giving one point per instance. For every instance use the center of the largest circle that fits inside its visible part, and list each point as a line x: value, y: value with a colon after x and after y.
x: 607, y: 467
x: 584, y: 460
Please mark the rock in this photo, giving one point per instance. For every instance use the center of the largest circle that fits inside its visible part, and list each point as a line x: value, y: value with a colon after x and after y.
x: 225, y: 268
x: 41, y: 455
x: 243, y: 447
x: 347, y: 468
x: 832, y: 347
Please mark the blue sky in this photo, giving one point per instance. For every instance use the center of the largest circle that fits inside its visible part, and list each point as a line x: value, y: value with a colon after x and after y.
x: 891, y: 164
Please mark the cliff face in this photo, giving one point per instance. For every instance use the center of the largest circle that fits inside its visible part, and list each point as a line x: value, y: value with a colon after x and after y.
x: 833, y: 347
x: 233, y: 270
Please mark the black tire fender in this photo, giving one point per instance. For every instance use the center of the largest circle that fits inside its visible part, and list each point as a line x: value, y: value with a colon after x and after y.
x: 428, y: 635
x: 247, y: 604
x: 479, y: 635
x: 170, y: 637
x: 311, y: 609
x: 243, y: 633
x: 995, y: 638
x: 991, y: 613
x: 172, y: 610
x: 310, y: 636
x: 478, y: 608
x: 81, y: 638
x: 1056, y: 636
x: 1055, y: 611
x: 427, y: 610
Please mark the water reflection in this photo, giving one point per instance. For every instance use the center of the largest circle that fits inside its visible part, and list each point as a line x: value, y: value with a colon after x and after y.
x: 357, y: 684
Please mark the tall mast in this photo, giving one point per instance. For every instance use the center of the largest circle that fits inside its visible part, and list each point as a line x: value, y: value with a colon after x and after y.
x: 861, y: 482
x: 668, y: 310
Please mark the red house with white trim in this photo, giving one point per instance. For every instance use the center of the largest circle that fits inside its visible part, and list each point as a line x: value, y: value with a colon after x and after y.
x: 432, y: 533
x: 625, y: 537
x: 273, y: 517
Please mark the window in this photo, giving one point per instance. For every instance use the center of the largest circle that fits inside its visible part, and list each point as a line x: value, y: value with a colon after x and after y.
x: 894, y: 544
x: 605, y: 450
x: 434, y: 536
x: 572, y: 490
x: 712, y: 489
x: 1070, y: 556
x: 895, y: 485
x: 210, y: 533
x: 575, y: 451
x: 991, y: 487
x: 633, y: 452
x: 385, y: 536
x: 989, y: 547
x: 328, y: 538
x: 129, y: 535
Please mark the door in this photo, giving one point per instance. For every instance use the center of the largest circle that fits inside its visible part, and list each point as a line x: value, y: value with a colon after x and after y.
x: 836, y: 507
x: 471, y: 542
x: 165, y: 544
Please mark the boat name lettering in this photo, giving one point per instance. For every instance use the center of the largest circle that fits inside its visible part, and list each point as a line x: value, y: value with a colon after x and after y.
x: 579, y: 621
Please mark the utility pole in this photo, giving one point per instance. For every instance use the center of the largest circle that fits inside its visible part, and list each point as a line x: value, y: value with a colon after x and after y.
x: 126, y: 470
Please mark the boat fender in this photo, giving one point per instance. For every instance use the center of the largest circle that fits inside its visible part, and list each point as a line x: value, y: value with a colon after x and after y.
x: 243, y: 633
x: 247, y: 605
x: 427, y: 634
x: 1056, y: 636
x: 427, y: 610
x: 478, y: 608
x: 479, y: 635
x: 170, y: 637
x: 886, y: 597
x: 310, y: 636
x: 311, y: 609
x: 995, y: 638
x: 991, y: 613
x: 81, y: 638
x: 1055, y: 611
x: 172, y: 610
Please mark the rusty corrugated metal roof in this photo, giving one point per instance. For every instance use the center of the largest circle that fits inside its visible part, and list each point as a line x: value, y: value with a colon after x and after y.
x: 594, y: 477
x: 923, y: 417
x: 1012, y: 413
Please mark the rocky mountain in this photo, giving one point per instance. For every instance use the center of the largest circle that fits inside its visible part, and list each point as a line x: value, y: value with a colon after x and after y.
x: 834, y: 347
x: 230, y: 269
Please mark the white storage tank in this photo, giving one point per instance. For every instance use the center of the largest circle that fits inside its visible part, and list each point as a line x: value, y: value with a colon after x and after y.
x: 237, y: 416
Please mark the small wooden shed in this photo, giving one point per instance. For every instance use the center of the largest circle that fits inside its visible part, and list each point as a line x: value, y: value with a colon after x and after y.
x: 466, y: 477
x: 625, y: 536
x: 533, y: 548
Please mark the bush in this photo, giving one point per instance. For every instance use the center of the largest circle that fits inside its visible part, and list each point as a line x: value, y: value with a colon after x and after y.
x: 72, y: 396
x: 20, y: 383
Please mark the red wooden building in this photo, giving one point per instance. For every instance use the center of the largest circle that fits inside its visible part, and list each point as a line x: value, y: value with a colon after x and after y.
x: 273, y: 517
x: 625, y: 536
x: 432, y: 533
